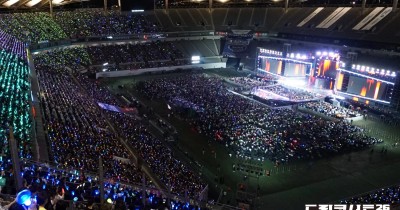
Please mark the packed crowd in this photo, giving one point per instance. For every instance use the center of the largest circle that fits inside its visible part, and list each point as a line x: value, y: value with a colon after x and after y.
x: 60, y: 188
x: 330, y: 110
x: 291, y: 93
x: 83, y: 23
x: 250, y: 129
x: 14, y: 110
x: 32, y: 27
x: 249, y: 83
x: 72, y: 58
x: 40, y: 27
x: 130, y: 56
x: 389, y: 195
x: 72, y: 116
x: 12, y: 45
x: 117, y: 57
x: 77, y: 132
x: 172, y: 172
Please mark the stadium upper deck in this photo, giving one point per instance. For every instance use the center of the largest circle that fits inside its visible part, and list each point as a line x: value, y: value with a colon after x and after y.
x: 378, y: 24
x: 373, y: 24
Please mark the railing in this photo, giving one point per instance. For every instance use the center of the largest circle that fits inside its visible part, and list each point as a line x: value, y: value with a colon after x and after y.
x: 135, y: 186
x: 106, y: 37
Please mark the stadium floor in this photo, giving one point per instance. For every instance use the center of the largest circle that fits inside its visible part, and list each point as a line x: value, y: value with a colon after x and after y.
x: 292, y: 185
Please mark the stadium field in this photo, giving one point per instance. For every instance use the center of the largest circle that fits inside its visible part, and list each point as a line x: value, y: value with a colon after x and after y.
x: 289, y: 186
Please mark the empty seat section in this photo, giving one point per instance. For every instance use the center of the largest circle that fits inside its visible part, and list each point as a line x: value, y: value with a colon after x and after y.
x: 232, y: 16
x: 206, y: 15
x: 273, y: 15
x: 390, y: 18
x: 151, y: 18
x: 187, y: 18
x: 183, y: 49
x: 176, y: 19
x: 197, y: 17
x: 166, y: 23
x: 347, y: 19
x: 321, y: 16
x: 204, y: 50
x: 218, y: 16
x: 245, y: 17
x: 193, y: 22
x: 218, y: 45
x: 290, y: 18
x: 258, y: 17
x: 212, y: 46
x: 386, y: 30
x: 190, y: 48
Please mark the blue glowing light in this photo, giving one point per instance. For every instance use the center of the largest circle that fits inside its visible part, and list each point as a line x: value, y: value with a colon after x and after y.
x: 24, y: 197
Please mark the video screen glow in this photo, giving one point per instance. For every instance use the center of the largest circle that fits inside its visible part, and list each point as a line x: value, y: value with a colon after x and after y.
x: 270, y: 65
x: 366, y: 87
x: 327, y: 68
x: 296, y: 69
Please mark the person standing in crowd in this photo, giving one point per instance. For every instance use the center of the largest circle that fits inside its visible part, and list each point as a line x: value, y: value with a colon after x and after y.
x: 42, y: 200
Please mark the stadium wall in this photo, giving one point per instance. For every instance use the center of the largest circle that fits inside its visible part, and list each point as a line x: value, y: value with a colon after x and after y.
x: 125, y: 73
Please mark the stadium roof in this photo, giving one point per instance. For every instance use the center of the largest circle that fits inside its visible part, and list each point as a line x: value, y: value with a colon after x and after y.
x: 29, y: 4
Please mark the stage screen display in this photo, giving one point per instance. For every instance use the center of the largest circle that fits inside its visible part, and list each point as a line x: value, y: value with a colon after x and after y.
x: 368, y: 87
x: 296, y: 69
x: 270, y: 65
x: 327, y: 68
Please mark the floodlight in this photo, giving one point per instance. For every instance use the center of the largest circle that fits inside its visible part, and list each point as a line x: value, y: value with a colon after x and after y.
x: 33, y: 3
x: 195, y: 59
x: 10, y: 3
x: 57, y: 1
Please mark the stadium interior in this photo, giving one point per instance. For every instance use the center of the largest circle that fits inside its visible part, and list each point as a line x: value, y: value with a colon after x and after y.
x: 213, y: 104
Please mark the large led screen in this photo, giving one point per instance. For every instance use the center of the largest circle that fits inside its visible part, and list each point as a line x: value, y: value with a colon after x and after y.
x: 270, y: 65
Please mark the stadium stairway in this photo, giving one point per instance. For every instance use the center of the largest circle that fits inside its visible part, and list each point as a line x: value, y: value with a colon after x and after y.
x: 139, y: 163
x: 40, y: 143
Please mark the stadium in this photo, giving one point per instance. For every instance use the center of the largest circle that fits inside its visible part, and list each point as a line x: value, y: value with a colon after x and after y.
x: 199, y: 104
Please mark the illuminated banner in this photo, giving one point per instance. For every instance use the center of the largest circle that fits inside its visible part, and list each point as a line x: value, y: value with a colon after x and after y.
x: 121, y: 159
x: 117, y: 109
x: 270, y: 52
x: 373, y: 70
x: 363, y: 86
